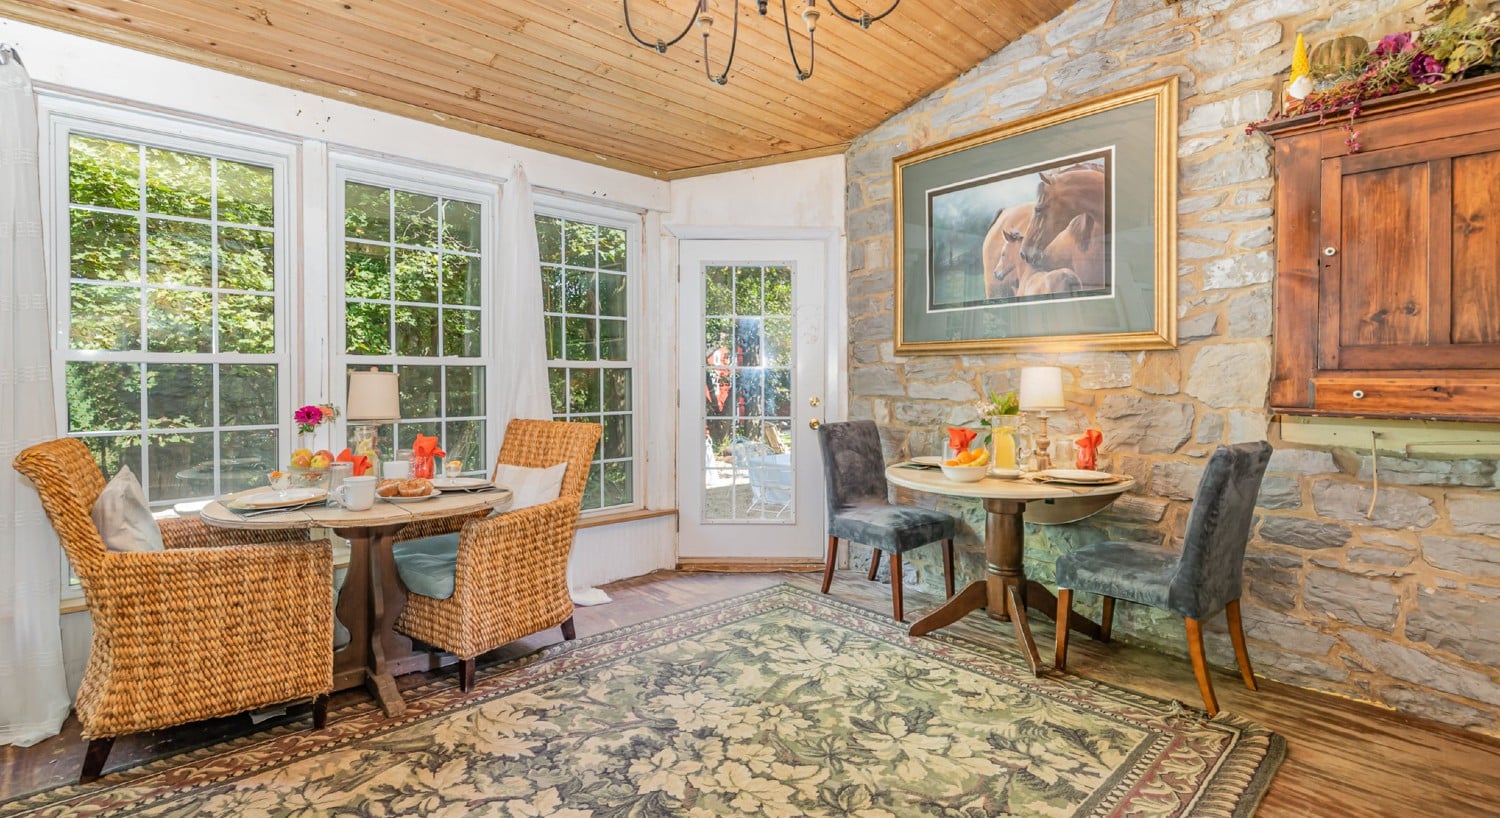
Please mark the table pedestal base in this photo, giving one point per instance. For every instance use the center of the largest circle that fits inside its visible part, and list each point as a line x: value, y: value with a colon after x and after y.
x: 371, y: 600
x: 1005, y: 592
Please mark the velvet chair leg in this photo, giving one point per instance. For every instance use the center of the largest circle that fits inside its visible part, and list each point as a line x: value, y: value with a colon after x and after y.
x: 1237, y: 636
x: 320, y: 711
x: 569, y: 630
x: 1200, y: 665
x: 94, y: 758
x: 466, y: 674
x: 874, y: 564
x: 896, y: 586
x: 1107, y: 619
x: 948, y: 567
x: 833, y: 556
x: 1064, y: 609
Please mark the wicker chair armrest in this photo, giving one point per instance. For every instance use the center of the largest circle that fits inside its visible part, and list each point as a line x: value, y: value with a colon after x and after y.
x: 435, y: 527
x: 532, y: 543
x: 191, y: 532
x: 224, y: 606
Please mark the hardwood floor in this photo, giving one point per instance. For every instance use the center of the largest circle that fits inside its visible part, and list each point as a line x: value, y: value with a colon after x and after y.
x: 1344, y: 759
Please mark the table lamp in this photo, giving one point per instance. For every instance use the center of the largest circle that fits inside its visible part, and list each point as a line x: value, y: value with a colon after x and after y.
x: 1041, y: 392
x: 373, y: 400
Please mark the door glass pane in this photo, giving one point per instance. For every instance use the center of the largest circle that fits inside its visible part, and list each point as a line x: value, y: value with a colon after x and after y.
x: 747, y: 395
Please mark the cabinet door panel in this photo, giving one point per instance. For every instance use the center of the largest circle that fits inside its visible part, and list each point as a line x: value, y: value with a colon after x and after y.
x: 1384, y: 244
x: 1476, y: 249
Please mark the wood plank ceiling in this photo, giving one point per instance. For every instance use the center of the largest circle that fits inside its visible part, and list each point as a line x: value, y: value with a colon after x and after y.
x: 565, y: 76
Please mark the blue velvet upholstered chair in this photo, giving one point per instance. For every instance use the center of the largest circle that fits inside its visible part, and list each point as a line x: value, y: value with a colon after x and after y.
x: 1197, y: 583
x: 860, y: 510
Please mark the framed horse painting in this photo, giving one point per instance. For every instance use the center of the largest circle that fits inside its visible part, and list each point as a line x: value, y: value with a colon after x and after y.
x: 1054, y: 232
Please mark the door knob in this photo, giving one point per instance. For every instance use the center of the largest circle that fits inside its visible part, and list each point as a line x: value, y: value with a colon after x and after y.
x: 814, y: 424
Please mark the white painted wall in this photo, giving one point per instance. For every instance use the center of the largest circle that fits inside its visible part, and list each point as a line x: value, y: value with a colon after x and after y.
x: 809, y: 193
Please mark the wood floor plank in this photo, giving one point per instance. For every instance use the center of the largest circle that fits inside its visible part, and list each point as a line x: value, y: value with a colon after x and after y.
x: 1344, y: 758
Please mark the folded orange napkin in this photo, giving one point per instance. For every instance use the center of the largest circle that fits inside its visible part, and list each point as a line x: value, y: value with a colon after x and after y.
x: 959, y: 438
x: 1088, y: 449
x: 425, y: 446
x: 360, y: 462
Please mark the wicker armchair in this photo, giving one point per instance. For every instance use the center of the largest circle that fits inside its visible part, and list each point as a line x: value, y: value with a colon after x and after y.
x: 511, y: 575
x: 218, y: 623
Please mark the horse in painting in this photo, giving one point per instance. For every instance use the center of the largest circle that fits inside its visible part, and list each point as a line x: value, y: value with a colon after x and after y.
x: 1072, y: 201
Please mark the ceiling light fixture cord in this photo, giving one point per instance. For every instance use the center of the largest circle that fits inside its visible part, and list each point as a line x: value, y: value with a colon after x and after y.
x: 810, y: 16
x: 864, y: 19
x: 706, y: 22
x: 659, y: 46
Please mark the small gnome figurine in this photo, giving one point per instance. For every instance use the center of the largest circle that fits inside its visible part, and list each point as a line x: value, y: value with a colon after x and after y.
x: 1301, y: 83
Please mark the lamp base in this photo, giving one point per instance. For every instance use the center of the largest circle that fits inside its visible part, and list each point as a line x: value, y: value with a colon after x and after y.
x: 1043, y: 444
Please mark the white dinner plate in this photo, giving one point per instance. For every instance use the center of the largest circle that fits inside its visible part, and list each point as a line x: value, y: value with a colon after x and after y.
x: 1081, y: 476
x: 460, y: 483
x: 928, y: 460
x: 278, y: 499
x: 434, y: 493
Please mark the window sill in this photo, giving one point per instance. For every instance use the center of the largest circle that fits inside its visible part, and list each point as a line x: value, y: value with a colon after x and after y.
x: 625, y: 517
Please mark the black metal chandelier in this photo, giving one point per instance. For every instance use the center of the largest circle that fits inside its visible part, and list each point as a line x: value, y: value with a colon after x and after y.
x: 705, y: 22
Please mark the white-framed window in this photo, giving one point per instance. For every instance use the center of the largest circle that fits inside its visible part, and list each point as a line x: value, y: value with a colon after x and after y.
x: 169, y: 252
x: 412, y: 270
x: 590, y: 280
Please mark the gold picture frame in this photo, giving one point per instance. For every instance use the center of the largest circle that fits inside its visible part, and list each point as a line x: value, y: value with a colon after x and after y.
x: 1056, y: 232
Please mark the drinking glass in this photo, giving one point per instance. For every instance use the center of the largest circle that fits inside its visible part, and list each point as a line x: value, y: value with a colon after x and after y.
x: 280, y: 481
x: 453, y: 468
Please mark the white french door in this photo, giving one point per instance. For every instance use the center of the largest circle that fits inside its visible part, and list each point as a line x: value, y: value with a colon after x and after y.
x: 754, y: 376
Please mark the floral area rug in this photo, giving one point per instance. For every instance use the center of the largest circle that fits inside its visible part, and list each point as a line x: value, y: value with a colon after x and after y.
x: 780, y: 703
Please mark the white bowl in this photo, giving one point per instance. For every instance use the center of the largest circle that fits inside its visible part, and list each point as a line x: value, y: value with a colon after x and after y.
x: 966, y: 474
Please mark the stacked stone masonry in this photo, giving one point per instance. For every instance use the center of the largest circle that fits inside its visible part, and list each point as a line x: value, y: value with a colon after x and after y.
x: 1401, y: 608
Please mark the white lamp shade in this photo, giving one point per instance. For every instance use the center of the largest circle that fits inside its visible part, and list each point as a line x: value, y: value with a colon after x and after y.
x: 1041, y: 389
x: 373, y: 397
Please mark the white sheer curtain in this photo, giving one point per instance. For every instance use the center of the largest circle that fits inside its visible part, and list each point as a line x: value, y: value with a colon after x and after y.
x: 35, y: 698
x: 523, y: 363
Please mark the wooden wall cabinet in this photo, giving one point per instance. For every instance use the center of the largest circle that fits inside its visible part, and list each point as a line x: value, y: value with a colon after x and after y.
x: 1387, y: 284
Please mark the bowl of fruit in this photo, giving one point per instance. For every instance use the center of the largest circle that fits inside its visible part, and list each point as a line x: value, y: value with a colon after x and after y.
x: 968, y: 466
x: 309, y: 469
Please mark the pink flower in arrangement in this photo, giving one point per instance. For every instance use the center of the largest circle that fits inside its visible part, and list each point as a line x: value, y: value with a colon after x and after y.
x: 312, y: 416
x: 1394, y: 44
x: 1426, y: 70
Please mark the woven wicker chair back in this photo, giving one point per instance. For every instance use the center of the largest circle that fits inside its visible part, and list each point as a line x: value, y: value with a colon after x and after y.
x: 536, y: 444
x: 69, y: 482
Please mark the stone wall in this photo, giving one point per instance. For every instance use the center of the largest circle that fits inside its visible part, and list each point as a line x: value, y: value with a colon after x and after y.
x: 1402, y: 608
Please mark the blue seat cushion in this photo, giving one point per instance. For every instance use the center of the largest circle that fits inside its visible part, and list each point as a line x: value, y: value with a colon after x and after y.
x: 1124, y: 570
x: 427, y: 565
x: 892, y: 528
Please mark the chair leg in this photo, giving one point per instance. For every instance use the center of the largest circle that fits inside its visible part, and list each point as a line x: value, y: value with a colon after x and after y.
x: 1107, y: 619
x: 1200, y: 665
x: 569, y: 630
x: 1237, y: 636
x: 94, y: 757
x: 320, y: 711
x: 466, y: 674
x: 1064, y: 609
x: 896, y: 586
x: 833, y: 556
x: 874, y: 564
x: 948, y: 567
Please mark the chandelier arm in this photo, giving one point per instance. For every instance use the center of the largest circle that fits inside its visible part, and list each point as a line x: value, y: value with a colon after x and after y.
x: 659, y: 46
x: 812, y: 45
x: 864, y: 19
x: 734, y: 41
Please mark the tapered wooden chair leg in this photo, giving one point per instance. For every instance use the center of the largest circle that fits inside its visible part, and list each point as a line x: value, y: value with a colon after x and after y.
x: 94, y: 758
x: 874, y: 564
x: 569, y: 630
x: 1237, y: 636
x: 1107, y: 619
x: 320, y: 712
x: 896, y: 586
x: 833, y: 556
x: 1064, y: 609
x: 1200, y: 665
x: 466, y: 674
x: 948, y: 567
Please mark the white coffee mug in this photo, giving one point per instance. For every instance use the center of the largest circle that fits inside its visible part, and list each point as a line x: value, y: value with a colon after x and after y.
x: 355, y: 493
x: 396, y: 470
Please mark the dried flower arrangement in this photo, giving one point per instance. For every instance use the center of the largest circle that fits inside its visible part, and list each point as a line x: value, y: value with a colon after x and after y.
x: 1455, y: 44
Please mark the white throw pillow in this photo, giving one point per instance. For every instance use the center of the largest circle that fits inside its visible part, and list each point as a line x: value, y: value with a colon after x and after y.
x: 122, y: 516
x: 531, y: 487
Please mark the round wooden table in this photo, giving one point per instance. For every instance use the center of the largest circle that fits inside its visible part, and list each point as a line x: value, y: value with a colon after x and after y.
x: 373, y: 594
x: 1005, y: 591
